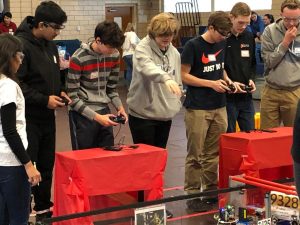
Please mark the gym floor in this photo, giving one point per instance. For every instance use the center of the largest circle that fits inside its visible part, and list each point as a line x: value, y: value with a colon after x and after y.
x: 174, y: 173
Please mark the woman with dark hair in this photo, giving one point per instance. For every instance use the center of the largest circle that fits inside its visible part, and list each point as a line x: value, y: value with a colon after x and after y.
x: 17, y: 172
x: 268, y: 19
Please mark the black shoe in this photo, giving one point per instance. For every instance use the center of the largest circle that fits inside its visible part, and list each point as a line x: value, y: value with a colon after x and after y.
x: 197, y: 205
x: 169, y: 214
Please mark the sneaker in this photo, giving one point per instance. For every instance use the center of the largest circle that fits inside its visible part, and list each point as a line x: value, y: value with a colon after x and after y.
x: 197, y: 205
x: 169, y: 214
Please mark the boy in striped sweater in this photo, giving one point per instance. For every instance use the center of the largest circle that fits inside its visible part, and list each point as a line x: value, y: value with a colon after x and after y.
x: 91, y: 84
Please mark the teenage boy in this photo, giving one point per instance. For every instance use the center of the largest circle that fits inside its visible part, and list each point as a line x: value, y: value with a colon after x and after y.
x: 41, y: 85
x: 281, y: 54
x: 240, y: 67
x: 202, y: 70
x: 92, y: 84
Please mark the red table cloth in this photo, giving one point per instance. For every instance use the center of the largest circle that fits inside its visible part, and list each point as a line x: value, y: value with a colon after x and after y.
x: 260, y: 154
x: 84, y: 175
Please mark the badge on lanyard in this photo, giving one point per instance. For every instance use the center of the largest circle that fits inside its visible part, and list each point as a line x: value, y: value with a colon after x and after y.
x: 211, y: 57
x: 297, y: 50
x: 245, y: 53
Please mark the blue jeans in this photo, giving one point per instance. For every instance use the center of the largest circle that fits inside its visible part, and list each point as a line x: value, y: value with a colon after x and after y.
x: 14, y: 196
x: 240, y: 108
x: 258, y: 53
x: 128, y: 62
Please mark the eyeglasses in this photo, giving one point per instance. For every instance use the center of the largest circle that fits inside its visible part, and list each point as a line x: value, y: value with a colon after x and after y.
x: 56, y: 27
x: 20, y: 55
x: 166, y: 35
x: 288, y: 20
x: 225, y: 34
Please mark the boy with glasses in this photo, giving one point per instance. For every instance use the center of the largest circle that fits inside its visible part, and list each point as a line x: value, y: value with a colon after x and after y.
x: 240, y: 67
x: 40, y: 82
x: 202, y: 70
x: 281, y: 54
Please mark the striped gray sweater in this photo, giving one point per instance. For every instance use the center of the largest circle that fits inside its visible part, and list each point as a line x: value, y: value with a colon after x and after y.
x: 92, y: 80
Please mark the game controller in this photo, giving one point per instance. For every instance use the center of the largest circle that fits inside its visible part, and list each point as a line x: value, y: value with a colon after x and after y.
x: 247, y: 88
x: 231, y: 87
x: 118, y: 119
x: 64, y: 100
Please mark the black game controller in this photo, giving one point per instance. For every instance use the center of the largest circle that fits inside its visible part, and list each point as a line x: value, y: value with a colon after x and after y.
x: 231, y: 87
x: 118, y: 119
x: 64, y: 100
x: 247, y: 88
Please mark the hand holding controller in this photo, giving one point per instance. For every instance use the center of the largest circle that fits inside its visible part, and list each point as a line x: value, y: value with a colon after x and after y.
x: 247, y: 88
x: 231, y: 87
x: 64, y: 100
x: 118, y: 119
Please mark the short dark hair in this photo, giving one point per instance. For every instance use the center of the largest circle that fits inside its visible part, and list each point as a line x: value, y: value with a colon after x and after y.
x: 9, y: 46
x: 270, y: 17
x: 50, y: 12
x: 220, y: 21
x: 110, y: 34
x: 7, y: 14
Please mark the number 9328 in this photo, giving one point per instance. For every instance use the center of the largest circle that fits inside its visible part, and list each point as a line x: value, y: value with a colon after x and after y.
x: 281, y: 199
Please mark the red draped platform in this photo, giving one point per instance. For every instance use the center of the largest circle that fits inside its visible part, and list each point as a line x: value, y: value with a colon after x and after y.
x: 93, y: 179
x: 259, y: 154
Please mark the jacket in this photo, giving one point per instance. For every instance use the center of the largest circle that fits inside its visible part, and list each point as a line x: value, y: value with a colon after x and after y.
x: 131, y: 40
x: 148, y: 96
x: 39, y: 73
x: 282, y: 64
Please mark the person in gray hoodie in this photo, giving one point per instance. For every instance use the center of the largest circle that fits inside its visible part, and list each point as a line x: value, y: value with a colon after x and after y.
x: 154, y: 94
x: 281, y: 54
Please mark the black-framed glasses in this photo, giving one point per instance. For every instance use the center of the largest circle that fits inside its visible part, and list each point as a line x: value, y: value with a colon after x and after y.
x: 223, y: 33
x: 288, y: 20
x: 55, y: 26
x: 20, y: 55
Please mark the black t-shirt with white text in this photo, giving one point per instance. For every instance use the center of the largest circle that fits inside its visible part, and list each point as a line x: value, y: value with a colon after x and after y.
x: 207, y: 62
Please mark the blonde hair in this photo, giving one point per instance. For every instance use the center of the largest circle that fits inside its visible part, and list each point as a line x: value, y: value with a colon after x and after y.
x: 129, y: 27
x: 163, y: 24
